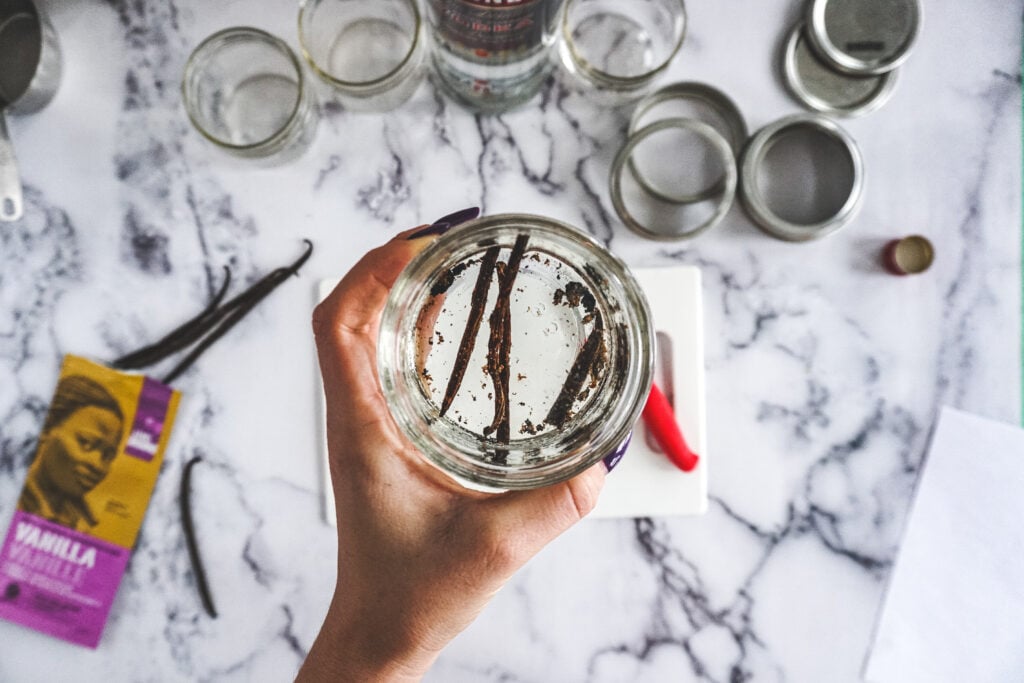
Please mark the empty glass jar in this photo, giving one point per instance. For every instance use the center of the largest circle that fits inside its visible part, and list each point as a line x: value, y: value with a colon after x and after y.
x: 245, y: 91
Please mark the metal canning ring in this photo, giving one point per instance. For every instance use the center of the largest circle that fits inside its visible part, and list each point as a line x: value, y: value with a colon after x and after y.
x: 753, y: 198
x: 699, y: 92
x: 718, y: 144
x: 863, y: 37
x: 821, y: 87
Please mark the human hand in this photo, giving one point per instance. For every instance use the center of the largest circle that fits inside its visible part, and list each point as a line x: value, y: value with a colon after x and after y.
x: 418, y: 555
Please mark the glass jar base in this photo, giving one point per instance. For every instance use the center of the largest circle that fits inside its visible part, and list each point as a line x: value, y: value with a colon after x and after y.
x: 488, y: 93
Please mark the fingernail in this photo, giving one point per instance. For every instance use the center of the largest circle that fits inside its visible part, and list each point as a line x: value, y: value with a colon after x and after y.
x: 610, y: 461
x: 446, y: 223
x: 459, y: 217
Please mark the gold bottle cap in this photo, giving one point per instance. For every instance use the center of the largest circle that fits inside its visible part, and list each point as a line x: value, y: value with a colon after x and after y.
x: 909, y: 255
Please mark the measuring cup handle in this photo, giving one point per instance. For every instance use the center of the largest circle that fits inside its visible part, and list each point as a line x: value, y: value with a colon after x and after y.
x: 10, y: 180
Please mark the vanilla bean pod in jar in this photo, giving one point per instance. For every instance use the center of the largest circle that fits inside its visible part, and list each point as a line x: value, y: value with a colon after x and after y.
x: 515, y: 352
x: 491, y: 55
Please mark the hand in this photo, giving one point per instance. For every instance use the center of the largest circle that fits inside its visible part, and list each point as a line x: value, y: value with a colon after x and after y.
x: 418, y: 555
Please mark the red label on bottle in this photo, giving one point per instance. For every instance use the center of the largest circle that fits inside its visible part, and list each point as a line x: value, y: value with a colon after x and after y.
x: 498, y: 3
x: 494, y: 30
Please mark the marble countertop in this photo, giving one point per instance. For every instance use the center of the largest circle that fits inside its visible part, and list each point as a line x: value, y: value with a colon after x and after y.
x: 825, y: 374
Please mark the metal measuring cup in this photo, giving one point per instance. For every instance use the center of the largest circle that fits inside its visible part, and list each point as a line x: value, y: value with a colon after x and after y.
x: 31, y: 60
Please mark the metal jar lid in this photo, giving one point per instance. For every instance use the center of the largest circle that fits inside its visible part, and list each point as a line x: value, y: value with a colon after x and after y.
x: 822, y: 87
x: 863, y: 37
x: 752, y: 194
x: 735, y: 131
x: 718, y: 144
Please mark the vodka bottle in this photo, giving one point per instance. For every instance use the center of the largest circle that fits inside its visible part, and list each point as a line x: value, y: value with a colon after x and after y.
x: 492, y: 55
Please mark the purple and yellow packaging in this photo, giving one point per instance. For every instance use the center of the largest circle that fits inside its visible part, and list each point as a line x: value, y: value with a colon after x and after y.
x: 83, y: 501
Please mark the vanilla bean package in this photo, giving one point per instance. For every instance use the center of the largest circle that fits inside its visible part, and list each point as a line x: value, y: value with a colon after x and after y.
x: 83, y: 501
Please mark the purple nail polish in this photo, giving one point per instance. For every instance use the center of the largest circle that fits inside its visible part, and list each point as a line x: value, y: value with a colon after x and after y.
x: 459, y: 217
x: 610, y: 461
x: 446, y: 223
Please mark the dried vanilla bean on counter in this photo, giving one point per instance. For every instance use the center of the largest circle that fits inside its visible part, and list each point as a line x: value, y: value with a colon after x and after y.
x: 214, y: 322
x: 178, y: 338
x: 185, y: 503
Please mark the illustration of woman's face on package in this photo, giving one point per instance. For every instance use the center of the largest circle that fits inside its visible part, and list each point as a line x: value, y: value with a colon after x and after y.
x: 76, y: 455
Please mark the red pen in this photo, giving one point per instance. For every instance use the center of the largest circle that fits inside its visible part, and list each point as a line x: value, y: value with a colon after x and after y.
x: 661, y: 421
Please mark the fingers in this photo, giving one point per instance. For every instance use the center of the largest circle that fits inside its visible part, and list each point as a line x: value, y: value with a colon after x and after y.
x: 536, y: 517
x: 345, y: 323
x: 550, y: 511
x: 355, y: 304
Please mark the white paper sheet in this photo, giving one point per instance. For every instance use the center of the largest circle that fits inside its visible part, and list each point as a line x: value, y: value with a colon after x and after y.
x: 954, y: 610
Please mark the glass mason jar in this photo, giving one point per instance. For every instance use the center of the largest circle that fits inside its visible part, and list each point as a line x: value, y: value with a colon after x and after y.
x: 617, y: 49
x: 369, y: 51
x: 515, y: 352
x: 245, y: 91
x: 491, y: 55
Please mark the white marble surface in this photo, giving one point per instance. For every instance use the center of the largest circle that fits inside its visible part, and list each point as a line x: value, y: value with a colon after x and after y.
x: 824, y: 374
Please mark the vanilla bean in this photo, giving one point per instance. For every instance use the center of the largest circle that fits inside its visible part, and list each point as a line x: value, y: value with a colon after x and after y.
x: 271, y: 280
x: 232, y: 312
x: 276, y: 276
x: 585, y: 359
x: 177, y: 338
x: 477, y: 304
x: 499, y: 347
x: 211, y: 316
x: 185, y: 502
x: 497, y: 368
x: 254, y: 295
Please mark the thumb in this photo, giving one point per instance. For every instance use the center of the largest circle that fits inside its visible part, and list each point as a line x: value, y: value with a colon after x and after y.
x: 536, y: 517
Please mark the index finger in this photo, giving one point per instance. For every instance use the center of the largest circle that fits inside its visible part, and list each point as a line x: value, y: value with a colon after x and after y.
x: 345, y: 323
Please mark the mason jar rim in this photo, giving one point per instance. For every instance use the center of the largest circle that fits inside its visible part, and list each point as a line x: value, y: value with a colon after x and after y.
x: 307, y: 7
x: 693, y: 91
x: 723, y: 200
x: 753, y: 197
x: 237, y: 33
x: 409, y: 407
x: 885, y: 83
x: 602, y: 77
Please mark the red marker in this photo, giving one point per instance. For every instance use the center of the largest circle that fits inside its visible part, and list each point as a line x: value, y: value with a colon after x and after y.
x: 661, y: 421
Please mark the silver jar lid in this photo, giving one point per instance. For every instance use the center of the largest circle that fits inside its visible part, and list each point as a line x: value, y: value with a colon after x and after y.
x: 821, y: 87
x: 753, y: 196
x: 732, y: 126
x: 863, y: 37
x: 723, y: 201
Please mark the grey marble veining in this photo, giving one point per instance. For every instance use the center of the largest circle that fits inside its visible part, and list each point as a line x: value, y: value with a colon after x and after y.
x: 825, y: 375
